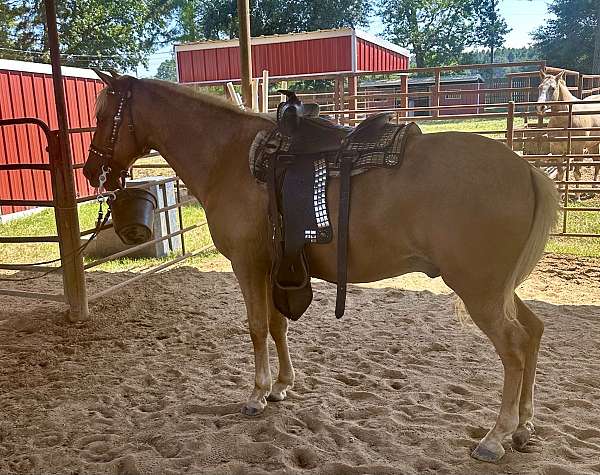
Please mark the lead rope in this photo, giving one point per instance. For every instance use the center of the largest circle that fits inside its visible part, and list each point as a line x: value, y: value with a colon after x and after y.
x: 101, y: 221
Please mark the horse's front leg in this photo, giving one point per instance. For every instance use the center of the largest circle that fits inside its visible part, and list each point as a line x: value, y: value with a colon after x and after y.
x: 278, y: 327
x: 252, y: 277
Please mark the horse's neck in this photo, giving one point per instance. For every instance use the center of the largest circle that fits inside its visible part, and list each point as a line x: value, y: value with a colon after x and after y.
x: 203, y: 142
x: 564, y: 94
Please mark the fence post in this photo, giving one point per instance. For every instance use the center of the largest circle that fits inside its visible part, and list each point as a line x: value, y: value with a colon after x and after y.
x: 567, y: 175
x: 404, y: 97
x: 265, y: 92
x: 353, y: 91
x: 63, y: 184
x: 510, y: 125
x: 436, y: 93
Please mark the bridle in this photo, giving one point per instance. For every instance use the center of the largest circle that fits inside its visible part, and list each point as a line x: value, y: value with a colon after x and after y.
x: 106, y: 153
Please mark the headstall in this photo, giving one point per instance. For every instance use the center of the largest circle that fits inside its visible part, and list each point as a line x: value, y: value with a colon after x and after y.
x: 106, y: 153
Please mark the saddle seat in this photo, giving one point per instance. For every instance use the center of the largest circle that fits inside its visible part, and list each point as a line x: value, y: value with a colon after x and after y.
x: 295, y: 160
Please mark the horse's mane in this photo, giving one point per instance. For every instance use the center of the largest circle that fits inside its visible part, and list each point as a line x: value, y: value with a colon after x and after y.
x: 186, y: 91
x: 193, y: 94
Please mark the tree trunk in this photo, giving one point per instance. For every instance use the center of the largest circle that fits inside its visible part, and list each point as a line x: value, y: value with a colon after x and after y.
x: 419, y: 57
x: 492, y: 54
x: 596, y: 66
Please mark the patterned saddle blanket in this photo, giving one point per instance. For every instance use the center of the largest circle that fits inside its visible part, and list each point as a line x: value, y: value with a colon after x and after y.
x: 296, y: 162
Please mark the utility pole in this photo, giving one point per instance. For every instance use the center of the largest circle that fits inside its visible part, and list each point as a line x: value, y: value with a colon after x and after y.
x: 245, y: 51
x: 596, y: 66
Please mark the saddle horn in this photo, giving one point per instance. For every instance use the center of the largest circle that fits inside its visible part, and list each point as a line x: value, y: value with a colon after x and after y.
x: 290, y: 112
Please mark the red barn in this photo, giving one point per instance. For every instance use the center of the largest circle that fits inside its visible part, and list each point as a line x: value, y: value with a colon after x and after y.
x: 26, y: 91
x: 344, y: 50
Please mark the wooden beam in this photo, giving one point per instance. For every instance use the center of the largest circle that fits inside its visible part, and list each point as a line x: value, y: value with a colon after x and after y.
x: 245, y: 50
x: 33, y: 295
x: 63, y: 186
x: 265, y: 92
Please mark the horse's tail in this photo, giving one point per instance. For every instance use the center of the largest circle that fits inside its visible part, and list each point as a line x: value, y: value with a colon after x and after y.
x: 544, y: 218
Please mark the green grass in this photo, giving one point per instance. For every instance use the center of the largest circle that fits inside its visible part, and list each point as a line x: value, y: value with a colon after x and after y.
x: 42, y: 224
x: 468, y: 125
x: 578, y: 222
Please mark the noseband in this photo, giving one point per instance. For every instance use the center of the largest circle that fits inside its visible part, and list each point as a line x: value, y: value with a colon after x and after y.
x: 106, y: 153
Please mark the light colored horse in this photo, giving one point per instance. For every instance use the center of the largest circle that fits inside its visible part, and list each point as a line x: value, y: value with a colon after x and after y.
x: 461, y: 206
x: 554, y: 88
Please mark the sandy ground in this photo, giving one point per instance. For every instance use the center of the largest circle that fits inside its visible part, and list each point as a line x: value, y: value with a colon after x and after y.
x: 153, y: 384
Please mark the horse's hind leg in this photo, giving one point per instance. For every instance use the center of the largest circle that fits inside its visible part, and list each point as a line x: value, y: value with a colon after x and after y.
x: 278, y: 326
x: 534, y: 328
x: 510, y: 340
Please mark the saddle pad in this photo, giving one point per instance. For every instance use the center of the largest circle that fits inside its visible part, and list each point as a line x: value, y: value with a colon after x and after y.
x: 385, y: 149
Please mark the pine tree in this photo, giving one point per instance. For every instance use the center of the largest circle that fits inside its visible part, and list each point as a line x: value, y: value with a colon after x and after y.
x: 491, y: 29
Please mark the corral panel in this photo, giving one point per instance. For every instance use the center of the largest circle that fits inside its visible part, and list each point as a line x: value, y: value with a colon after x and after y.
x: 30, y: 94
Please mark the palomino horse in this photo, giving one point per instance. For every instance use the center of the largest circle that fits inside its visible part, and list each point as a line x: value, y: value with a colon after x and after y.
x: 461, y: 206
x: 554, y: 88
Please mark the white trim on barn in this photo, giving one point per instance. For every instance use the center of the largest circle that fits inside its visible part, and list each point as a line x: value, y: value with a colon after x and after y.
x: 353, y: 48
x: 41, y: 68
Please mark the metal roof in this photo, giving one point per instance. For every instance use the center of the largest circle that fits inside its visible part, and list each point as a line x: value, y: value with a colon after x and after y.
x: 424, y: 81
x: 301, y: 36
x: 41, y: 68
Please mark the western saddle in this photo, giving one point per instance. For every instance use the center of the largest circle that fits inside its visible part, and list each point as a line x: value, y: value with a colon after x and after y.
x: 296, y: 160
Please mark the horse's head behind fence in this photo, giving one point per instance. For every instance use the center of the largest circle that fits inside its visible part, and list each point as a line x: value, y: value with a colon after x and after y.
x: 115, y: 144
x: 549, y: 90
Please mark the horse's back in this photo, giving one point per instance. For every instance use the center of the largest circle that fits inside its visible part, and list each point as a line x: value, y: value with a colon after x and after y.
x: 455, y: 195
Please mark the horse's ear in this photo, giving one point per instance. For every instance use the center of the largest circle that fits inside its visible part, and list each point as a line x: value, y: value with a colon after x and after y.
x: 114, y: 73
x: 543, y: 74
x: 560, y: 76
x: 106, y: 79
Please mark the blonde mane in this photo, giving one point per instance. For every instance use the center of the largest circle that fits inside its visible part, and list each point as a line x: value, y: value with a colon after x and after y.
x: 180, y: 90
x: 208, y: 99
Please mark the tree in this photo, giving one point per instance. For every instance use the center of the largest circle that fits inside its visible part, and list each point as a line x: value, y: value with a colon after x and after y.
x: 501, y: 55
x: 106, y: 33
x: 217, y: 19
x: 567, y: 38
x: 491, y: 28
x: 436, y: 31
x: 166, y: 71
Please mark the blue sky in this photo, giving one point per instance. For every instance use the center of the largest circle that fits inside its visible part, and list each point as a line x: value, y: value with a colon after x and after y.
x: 523, y: 16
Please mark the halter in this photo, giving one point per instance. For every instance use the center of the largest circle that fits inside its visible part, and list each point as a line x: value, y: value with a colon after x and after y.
x: 106, y: 153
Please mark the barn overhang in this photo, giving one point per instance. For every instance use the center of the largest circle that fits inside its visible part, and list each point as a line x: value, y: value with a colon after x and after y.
x: 338, y: 51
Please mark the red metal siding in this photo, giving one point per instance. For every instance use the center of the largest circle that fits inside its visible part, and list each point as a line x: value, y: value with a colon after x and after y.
x: 372, y: 57
x: 467, y: 98
x: 26, y: 94
x: 280, y: 59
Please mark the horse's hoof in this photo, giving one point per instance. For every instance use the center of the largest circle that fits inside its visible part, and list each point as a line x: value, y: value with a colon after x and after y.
x: 276, y: 396
x: 486, y: 454
x: 278, y: 393
x: 253, y: 408
x: 522, y: 435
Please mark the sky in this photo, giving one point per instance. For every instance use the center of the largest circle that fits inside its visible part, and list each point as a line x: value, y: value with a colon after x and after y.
x: 522, y: 16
